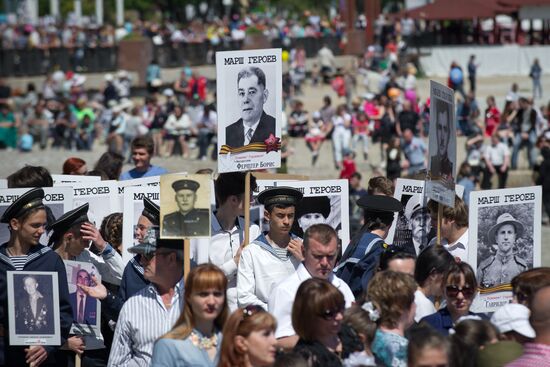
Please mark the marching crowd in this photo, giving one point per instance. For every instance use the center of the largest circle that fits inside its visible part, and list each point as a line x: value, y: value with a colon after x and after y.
x: 279, y: 300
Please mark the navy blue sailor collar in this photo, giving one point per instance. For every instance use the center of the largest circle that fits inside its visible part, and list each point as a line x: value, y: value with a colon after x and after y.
x: 34, y: 252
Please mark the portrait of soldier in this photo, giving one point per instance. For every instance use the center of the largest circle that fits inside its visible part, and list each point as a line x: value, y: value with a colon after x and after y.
x: 441, y: 166
x: 501, y: 267
x: 84, y: 306
x: 254, y: 126
x: 311, y: 210
x: 187, y: 221
x: 33, y: 312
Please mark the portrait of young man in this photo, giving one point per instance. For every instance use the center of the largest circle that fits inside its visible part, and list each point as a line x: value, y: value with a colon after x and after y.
x: 187, y: 221
x: 255, y: 125
x: 440, y: 164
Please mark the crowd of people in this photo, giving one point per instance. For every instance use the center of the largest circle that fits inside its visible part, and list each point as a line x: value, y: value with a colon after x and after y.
x: 280, y: 300
x: 48, y: 33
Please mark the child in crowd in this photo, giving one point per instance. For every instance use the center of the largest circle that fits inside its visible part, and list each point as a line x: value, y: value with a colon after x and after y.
x: 391, y: 303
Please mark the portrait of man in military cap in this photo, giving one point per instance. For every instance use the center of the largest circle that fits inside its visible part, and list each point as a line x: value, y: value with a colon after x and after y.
x: 189, y: 219
x: 505, y: 264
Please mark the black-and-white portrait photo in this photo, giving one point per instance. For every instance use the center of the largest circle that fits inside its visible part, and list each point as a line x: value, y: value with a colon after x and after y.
x: 249, y: 98
x: 504, y: 240
x: 254, y: 125
x: 505, y: 244
x: 33, y: 308
x: 440, y: 185
x: 413, y: 227
x: 440, y: 163
x: 34, y: 305
x: 185, y: 206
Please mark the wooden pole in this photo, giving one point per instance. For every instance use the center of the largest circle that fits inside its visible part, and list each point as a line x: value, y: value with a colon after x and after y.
x: 77, y: 360
x: 186, y: 257
x: 246, y: 208
x: 439, y: 220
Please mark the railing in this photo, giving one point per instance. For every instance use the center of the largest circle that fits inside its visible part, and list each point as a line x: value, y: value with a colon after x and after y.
x: 33, y: 62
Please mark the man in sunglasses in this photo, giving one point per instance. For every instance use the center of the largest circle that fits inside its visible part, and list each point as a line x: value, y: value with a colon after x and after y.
x: 504, y: 265
x: 362, y: 255
x: 320, y: 252
x: 272, y: 256
x: 153, y: 310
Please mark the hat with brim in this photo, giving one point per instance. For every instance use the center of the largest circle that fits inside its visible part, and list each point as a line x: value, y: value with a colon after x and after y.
x: 513, y: 317
x: 280, y: 196
x: 503, y: 219
x: 379, y: 204
x: 152, y: 242
x: 151, y: 211
x: 30, y: 200
x: 67, y: 220
x: 314, y: 204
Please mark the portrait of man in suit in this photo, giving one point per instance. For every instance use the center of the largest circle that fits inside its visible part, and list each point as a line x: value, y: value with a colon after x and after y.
x: 254, y: 126
x: 441, y: 166
x: 84, y: 306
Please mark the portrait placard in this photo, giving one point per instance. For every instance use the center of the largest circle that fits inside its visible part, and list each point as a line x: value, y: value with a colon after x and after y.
x: 86, y: 309
x: 440, y: 181
x: 58, y: 200
x: 325, y: 201
x: 33, y: 308
x: 249, y: 95
x: 133, y: 226
x: 61, y: 179
x: 138, y: 182
x: 101, y: 196
x: 185, y: 206
x: 504, y: 240
x: 411, y: 230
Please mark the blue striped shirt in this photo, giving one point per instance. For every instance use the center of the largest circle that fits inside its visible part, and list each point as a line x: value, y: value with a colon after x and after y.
x: 142, y: 320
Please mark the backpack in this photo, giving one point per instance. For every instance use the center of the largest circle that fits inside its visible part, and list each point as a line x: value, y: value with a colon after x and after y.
x: 360, y: 261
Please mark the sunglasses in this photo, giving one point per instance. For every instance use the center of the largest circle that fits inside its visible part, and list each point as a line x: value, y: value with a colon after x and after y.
x: 330, y: 315
x: 453, y: 291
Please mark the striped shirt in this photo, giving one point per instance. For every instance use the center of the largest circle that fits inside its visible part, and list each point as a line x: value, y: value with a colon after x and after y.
x: 18, y: 262
x: 534, y: 355
x: 142, y: 320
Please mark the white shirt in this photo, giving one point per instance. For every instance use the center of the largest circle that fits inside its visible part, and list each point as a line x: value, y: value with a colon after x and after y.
x: 424, y: 306
x: 497, y: 153
x: 459, y: 248
x: 246, y: 128
x: 220, y: 250
x: 259, y: 271
x: 142, y: 320
x: 282, y: 298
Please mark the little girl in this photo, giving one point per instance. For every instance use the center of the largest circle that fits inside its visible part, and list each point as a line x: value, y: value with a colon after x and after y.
x: 391, y: 296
